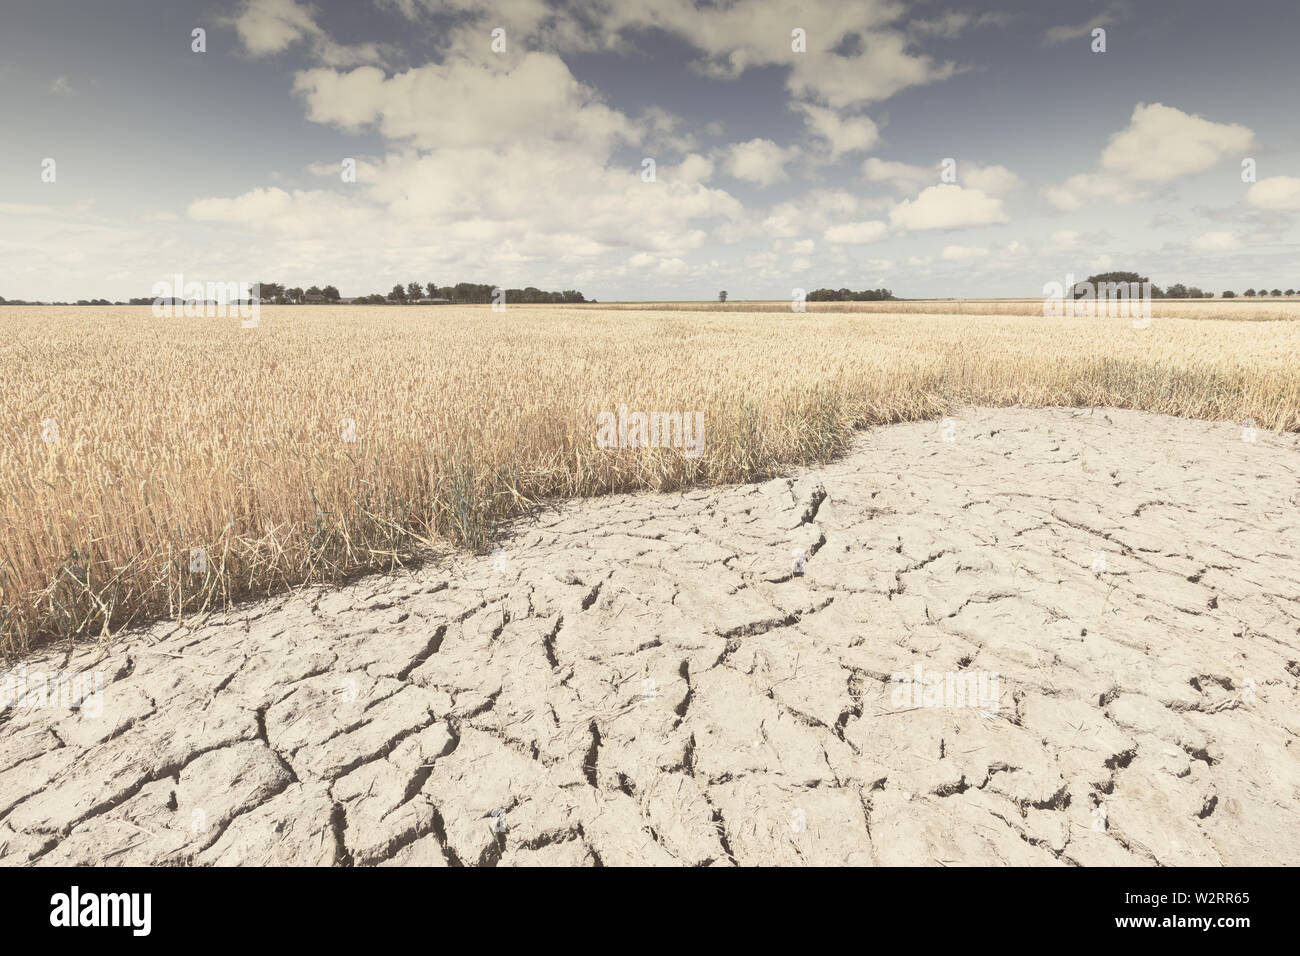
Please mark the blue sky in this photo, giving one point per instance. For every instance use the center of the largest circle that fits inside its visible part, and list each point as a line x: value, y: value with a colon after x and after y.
x: 775, y: 168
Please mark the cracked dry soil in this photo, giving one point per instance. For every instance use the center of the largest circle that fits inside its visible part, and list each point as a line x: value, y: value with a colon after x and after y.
x: 645, y: 679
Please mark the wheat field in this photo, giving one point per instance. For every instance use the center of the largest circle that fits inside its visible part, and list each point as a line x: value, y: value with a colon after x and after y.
x: 129, y: 443
x: 1254, y: 309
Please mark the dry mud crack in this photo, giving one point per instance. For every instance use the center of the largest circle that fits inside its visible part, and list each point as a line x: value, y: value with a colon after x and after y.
x: 1103, y: 610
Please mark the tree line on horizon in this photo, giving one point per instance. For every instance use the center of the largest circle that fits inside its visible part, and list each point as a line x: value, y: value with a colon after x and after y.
x: 848, y: 295
x: 274, y: 293
x: 468, y: 293
x: 840, y: 295
x: 1175, y: 291
x: 462, y: 293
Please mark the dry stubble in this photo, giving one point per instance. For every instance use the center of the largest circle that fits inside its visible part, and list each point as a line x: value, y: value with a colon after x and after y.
x: 177, y: 434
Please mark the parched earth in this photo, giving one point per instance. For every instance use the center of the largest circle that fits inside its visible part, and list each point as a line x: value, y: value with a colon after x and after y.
x: 1061, y: 637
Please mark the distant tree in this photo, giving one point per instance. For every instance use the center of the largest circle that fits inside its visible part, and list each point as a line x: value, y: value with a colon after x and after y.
x: 474, y: 293
x: 271, y: 292
x: 293, y: 295
x: 414, y: 291
x: 433, y: 291
x: 1288, y: 292
x: 398, y: 294
x: 1229, y: 294
x: 848, y: 295
x: 1125, y: 278
x: 1250, y: 293
x: 331, y: 294
x: 1194, y: 292
x: 1276, y: 292
x: 722, y: 296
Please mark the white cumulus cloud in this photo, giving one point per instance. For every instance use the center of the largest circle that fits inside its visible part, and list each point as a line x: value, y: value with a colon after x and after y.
x: 841, y: 134
x: 857, y: 233
x: 1216, y: 241
x: 759, y: 161
x: 958, y: 253
x: 948, y: 206
x: 1275, y: 192
x: 1162, y: 143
